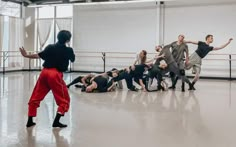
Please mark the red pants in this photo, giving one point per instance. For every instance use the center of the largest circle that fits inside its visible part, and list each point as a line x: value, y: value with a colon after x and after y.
x: 49, y: 79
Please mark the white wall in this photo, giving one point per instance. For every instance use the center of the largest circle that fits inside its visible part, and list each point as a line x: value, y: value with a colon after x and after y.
x: 135, y: 26
x: 115, y: 28
x: 196, y: 22
x: 121, y: 27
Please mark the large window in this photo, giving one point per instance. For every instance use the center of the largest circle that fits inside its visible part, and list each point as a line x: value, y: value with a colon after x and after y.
x: 50, y: 20
x: 5, y: 38
x: 64, y: 11
x: 10, y: 26
x: 48, y: 25
x: 10, y: 9
x: 12, y: 40
x: 64, y: 16
x: 5, y: 44
x: 46, y: 12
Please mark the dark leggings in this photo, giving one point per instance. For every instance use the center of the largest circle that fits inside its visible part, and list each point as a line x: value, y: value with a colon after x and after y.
x: 156, y: 72
x: 76, y: 80
x: 128, y: 79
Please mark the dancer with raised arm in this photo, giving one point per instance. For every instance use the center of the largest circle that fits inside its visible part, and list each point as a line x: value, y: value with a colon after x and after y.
x: 56, y: 60
x: 195, y: 60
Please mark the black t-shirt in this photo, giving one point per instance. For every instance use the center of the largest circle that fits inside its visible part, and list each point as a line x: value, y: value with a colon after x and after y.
x: 57, y: 56
x: 102, y: 84
x: 138, y: 72
x: 203, y: 49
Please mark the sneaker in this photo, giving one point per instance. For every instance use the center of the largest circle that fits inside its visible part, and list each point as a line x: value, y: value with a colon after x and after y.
x: 172, y: 87
x: 191, y: 87
x: 160, y: 88
x: 134, y: 89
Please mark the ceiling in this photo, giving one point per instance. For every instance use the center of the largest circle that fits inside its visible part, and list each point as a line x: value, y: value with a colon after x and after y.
x: 168, y: 2
x: 45, y: 2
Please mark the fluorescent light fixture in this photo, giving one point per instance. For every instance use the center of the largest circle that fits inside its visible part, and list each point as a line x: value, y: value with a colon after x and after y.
x: 116, y: 2
x: 47, y: 5
x: 97, y: 3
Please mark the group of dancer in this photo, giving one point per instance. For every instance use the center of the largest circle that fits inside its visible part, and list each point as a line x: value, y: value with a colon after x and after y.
x: 173, y: 58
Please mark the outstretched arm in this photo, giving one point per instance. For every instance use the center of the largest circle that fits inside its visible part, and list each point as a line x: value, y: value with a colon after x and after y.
x: 149, y: 61
x: 224, y: 45
x: 31, y: 56
x: 159, y: 56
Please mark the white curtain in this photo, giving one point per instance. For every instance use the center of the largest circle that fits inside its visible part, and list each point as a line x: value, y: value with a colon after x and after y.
x: 1, y: 31
x: 44, y: 29
x: 1, y: 37
x: 64, y: 23
x: 16, y: 40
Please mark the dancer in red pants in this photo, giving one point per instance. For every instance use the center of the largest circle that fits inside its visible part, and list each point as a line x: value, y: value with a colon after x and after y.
x: 56, y: 60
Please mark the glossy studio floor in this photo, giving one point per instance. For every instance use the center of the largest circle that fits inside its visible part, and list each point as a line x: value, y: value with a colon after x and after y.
x: 202, y: 118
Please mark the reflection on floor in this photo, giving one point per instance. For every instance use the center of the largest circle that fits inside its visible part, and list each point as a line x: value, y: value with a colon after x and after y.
x: 203, y: 118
